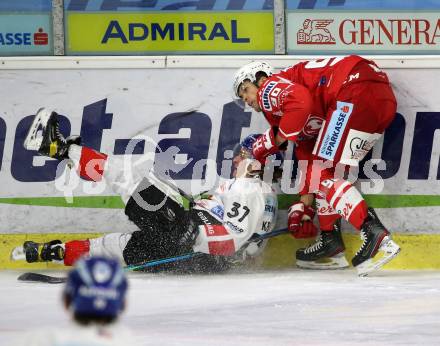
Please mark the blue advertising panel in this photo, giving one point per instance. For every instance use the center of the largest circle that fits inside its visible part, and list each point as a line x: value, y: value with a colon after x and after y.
x: 26, y: 27
x: 25, y: 5
x: 26, y: 34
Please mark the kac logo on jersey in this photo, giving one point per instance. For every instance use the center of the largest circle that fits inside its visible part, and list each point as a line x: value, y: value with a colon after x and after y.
x: 265, y: 97
x: 218, y: 211
x: 312, y: 126
x: 335, y: 129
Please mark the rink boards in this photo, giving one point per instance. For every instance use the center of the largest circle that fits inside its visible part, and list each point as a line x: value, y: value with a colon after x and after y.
x: 183, y: 106
x: 419, y: 251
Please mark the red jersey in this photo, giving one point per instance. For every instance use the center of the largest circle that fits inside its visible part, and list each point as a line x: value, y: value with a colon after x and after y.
x: 297, y: 99
x: 289, y: 106
x: 325, y: 77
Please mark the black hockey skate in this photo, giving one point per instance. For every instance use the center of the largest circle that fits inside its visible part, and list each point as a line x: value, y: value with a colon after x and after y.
x: 45, y: 137
x: 43, y: 252
x: 326, y: 253
x: 376, y: 239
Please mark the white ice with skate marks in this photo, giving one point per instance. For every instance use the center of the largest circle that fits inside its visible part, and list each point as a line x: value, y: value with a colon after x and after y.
x: 291, y: 307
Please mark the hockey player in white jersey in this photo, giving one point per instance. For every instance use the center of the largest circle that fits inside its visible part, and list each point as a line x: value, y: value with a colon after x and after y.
x: 94, y: 296
x: 218, y: 226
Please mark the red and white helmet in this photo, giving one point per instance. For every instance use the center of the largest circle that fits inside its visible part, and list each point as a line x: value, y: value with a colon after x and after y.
x: 249, y: 71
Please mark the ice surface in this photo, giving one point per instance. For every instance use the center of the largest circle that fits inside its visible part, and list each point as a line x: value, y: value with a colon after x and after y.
x: 266, y: 308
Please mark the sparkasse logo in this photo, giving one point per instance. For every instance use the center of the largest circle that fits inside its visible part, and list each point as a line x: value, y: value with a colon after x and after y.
x: 38, y: 38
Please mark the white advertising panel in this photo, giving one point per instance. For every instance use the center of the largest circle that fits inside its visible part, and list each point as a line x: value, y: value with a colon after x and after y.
x: 190, y: 115
x: 363, y: 32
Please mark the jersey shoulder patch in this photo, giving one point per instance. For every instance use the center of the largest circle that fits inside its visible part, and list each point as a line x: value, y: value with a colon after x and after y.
x: 270, y: 95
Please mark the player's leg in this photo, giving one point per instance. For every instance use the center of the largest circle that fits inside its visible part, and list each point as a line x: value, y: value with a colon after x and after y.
x: 163, y: 222
x: 351, y: 129
x: 327, y: 252
x: 44, y: 136
x: 111, y: 245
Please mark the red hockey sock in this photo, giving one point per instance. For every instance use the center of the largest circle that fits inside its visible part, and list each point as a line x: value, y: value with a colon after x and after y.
x: 91, y: 164
x: 345, y: 199
x: 75, y: 249
x: 358, y: 215
x: 326, y: 222
x: 327, y: 216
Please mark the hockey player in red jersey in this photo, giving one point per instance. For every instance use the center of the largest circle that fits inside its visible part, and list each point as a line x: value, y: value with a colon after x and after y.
x: 218, y: 226
x: 334, y: 110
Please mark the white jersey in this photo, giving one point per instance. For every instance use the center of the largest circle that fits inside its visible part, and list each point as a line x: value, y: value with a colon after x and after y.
x: 243, y: 207
x: 238, y: 209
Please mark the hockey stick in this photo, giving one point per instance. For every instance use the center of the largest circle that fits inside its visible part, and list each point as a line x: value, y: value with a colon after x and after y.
x: 153, y: 263
x: 134, y: 267
x: 36, y: 277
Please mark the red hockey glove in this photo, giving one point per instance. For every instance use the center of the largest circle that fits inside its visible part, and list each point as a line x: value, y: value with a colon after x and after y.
x: 300, y: 221
x: 265, y: 146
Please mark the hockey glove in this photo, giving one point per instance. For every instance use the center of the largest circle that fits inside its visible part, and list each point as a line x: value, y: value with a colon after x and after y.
x: 300, y: 221
x: 265, y: 146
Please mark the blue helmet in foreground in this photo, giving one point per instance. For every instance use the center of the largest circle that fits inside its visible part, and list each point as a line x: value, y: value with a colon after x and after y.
x: 96, y: 287
x: 244, y: 148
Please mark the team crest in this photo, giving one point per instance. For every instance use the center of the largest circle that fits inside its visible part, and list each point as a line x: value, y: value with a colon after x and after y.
x: 312, y: 126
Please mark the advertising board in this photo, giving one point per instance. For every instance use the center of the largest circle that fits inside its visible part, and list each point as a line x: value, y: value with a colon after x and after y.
x: 161, y: 32
x: 189, y: 114
x: 26, y: 34
x: 365, y: 32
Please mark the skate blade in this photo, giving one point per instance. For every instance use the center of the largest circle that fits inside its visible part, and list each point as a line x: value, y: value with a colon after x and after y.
x: 17, y: 254
x: 34, y: 137
x: 329, y: 263
x: 388, y: 248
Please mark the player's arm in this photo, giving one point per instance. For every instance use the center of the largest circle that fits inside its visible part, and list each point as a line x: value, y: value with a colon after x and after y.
x: 295, y: 102
x: 297, y: 107
x: 301, y: 214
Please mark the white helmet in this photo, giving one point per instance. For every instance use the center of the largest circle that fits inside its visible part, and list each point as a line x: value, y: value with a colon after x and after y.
x: 249, y: 71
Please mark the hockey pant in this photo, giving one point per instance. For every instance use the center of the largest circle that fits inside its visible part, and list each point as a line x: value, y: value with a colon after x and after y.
x: 354, y: 122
